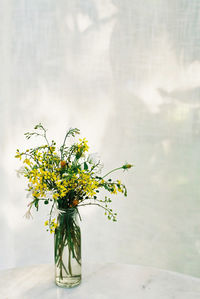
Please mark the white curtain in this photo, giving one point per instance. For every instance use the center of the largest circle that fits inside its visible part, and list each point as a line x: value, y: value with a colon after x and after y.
x: 127, y: 73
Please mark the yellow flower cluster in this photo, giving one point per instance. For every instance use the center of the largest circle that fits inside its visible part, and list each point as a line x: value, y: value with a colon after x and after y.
x: 116, y: 187
x: 81, y: 182
x: 38, y: 179
x: 18, y: 155
x: 52, y: 225
x: 61, y: 189
x: 119, y: 186
x: 87, y: 183
x: 82, y: 146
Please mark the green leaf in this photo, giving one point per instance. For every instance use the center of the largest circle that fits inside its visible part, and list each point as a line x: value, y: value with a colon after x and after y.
x: 85, y: 166
x: 36, y: 203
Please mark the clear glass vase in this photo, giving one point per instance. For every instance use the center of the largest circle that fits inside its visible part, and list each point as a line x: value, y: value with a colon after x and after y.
x: 67, y: 247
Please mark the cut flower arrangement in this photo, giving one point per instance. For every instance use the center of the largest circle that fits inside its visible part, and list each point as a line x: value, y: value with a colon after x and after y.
x: 67, y: 178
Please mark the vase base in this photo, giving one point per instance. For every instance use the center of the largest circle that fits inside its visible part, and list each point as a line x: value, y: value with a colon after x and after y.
x: 68, y: 282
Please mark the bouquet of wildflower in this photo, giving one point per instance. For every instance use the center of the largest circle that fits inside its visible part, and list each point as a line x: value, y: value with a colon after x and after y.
x: 67, y: 178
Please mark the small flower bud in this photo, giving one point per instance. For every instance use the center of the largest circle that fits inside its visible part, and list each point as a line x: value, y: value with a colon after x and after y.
x: 126, y: 166
x: 63, y: 163
x: 75, y: 202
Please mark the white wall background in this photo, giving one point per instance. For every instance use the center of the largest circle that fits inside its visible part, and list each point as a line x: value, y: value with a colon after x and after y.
x: 127, y: 73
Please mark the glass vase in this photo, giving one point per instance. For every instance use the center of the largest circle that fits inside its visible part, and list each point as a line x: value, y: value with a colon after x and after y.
x: 67, y: 248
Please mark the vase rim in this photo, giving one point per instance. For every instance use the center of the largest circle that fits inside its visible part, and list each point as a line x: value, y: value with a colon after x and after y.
x: 68, y: 210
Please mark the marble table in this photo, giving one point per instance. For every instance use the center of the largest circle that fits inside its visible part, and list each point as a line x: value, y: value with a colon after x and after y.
x: 103, y: 281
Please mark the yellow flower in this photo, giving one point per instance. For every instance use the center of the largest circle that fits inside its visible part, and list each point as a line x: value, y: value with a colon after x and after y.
x: 83, y: 145
x: 18, y: 155
x: 55, y: 225
x: 55, y: 196
x: 119, y: 186
x: 114, y: 191
x: 46, y: 223
x: 27, y: 161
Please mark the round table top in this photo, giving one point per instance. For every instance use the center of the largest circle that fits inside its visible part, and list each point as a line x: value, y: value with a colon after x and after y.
x: 102, y: 281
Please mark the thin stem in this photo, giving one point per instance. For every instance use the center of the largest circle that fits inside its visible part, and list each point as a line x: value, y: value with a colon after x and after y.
x: 45, y: 136
x: 79, y: 215
x: 62, y: 147
x: 111, y: 171
x: 61, y: 248
x: 95, y: 204
x: 64, y: 267
x: 94, y: 166
x: 51, y: 214
x: 71, y: 132
x: 69, y: 262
